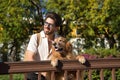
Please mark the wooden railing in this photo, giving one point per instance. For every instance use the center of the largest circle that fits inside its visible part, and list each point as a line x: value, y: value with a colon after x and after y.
x: 44, y: 66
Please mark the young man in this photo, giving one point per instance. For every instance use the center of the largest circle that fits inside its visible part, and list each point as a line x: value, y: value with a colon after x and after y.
x: 40, y: 52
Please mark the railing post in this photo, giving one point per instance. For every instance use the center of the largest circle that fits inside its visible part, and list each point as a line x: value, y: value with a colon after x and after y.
x: 53, y: 75
x: 66, y: 74
x: 77, y: 74
x: 11, y: 76
x: 25, y: 76
x: 101, y: 74
x: 113, y: 74
x: 39, y: 75
x: 90, y: 74
x: 80, y: 75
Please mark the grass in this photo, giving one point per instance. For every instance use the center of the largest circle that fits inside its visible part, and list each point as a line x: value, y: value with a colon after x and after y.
x: 15, y: 77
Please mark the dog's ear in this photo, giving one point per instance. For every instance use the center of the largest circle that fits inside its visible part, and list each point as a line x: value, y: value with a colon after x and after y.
x: 68, y: 47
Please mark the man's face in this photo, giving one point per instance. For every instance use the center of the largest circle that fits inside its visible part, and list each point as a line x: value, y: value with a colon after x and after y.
x: 49, y: 26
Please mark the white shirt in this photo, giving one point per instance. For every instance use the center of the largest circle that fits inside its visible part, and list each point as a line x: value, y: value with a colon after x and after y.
x: 42, y: 51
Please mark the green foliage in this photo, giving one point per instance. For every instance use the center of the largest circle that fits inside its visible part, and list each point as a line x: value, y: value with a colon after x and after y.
x: 15, y: 77
x: 118, y: 74
x: 14, y: 28
x: 107, y: 74
x: 102, y: 52
x: 17, y: 19
x: 12, y: 20
x: 92, y: 17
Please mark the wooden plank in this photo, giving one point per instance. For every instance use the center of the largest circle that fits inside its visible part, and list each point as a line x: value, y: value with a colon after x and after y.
x: 24, y: 67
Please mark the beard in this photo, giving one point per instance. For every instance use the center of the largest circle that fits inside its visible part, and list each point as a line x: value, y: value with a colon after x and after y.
x: 48, y: 32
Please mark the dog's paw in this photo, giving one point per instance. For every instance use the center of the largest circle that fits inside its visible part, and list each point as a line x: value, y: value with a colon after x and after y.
x: 81, y: 59
x: 54, y: 62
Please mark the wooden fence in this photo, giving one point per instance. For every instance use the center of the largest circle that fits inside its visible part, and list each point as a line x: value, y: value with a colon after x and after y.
x: 43, y: 66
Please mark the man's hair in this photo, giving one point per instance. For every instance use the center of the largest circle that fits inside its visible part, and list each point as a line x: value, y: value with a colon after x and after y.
x: 55, y: 17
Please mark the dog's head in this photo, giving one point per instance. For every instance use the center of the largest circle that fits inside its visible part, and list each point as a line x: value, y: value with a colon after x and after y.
x: 61, y: 45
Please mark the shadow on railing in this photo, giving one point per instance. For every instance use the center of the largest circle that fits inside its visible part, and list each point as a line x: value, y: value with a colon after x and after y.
x: 43, y: 66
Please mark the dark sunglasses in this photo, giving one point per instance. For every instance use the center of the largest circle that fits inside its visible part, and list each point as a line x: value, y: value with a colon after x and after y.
x: 49, y: 24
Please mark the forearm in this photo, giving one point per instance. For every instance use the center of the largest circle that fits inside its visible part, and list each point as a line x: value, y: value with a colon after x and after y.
x: 29, y: 56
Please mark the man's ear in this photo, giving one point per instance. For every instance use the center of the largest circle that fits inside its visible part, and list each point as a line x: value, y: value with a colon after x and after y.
x: 68, y: 47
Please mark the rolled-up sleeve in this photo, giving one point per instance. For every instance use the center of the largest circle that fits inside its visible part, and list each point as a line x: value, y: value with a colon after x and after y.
x: 32, y: 45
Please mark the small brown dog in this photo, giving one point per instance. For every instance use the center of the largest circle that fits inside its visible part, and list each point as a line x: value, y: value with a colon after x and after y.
x: 62, y: 50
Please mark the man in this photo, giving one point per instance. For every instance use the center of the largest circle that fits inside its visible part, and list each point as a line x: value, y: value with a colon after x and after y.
x: 40, y: 52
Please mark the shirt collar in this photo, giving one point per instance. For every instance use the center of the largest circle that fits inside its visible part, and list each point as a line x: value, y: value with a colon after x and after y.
x: 42, y: 34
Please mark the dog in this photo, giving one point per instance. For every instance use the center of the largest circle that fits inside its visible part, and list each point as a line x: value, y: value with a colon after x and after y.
x: 62, y: 50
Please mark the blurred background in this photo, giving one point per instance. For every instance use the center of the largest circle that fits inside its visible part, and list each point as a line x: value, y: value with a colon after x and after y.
x: 92, y: 26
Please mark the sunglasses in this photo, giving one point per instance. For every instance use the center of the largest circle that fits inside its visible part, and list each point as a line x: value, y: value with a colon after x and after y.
x: 49, y: 24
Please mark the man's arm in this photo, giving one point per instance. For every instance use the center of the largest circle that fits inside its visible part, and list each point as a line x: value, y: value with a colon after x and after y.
x: 29, y: 56
x: 31, y: 49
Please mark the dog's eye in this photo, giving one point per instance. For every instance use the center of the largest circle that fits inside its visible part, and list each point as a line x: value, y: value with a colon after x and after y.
x: 63, y: 41
x: 60, y: 40
x: 54, y: 43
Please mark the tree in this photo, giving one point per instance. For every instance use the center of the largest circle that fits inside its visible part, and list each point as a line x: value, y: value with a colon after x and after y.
x: 93, y: 18
x: 102, y: 18
x: 18, y: 18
